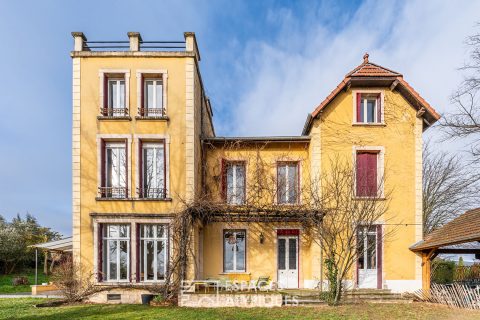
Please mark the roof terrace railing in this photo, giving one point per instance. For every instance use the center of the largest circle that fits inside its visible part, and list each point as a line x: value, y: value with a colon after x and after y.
x: 158, y: 45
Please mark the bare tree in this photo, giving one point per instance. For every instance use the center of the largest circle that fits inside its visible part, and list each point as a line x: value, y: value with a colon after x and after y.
x: 449, y: 188
x: 465, y: 121
x: 348, y: 220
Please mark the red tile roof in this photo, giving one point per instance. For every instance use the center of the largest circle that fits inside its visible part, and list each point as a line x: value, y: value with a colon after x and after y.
x: 465, y: 228
x: 369, y: 69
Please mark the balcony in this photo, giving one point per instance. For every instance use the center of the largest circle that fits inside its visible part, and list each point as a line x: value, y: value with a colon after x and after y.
x: 112, y: 192
x: 114, y: 113
x: 152, y: 113
x: 152, y: 193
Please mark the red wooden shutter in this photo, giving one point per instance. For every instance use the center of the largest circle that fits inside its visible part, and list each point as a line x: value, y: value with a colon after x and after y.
x: 359, y: 107
x: 361, y: 174
x: 126, y: 168
x: 379, y: 256
x: 105, y: 95
x: 100, y: 252
x: 140, y: 168
x: 142, y: 96
x: 137, y: 226
x: 379, y: 109
x: 371, y: 175
x: 103, y: 178
x: 224, y: 180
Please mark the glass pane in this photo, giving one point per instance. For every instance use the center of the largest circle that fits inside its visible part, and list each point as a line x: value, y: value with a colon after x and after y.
x: 123, y: 167
x: 159, y: 96
x: 160, y: 169
x: 149, y: 94
x: 362, y: 110
x: 113, y: 231
x: 150, y: 259
x: 292, y: 254
x: 113, y: 252
x: 371, y: 110
x: 281, y: 253
x: 142, y: 260
x: 109, y: 167
x: 230, y: 190
x: 292, y: 184
x: 124, y: 260
x: 122, y: 95
x: 161, y: 231
x: 282, y: 184
x: 228, y: 251
x: 360, y: 250
x: 112, y: 85
x: 161, y: 250
x: 240, y: 249
x: 371, y: 251
x: 148, y: 231
x: 124, y: 231
x: 148, y: 164
x: 240, y: 179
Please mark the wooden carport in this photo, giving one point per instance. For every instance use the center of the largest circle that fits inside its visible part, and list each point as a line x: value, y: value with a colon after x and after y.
x: 464, y: 229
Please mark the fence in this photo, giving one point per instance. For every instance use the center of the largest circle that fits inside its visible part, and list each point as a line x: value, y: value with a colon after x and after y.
x: 454, y: 295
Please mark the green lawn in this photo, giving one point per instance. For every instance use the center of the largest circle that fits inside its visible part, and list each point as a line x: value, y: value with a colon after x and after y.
x: 6, y: 286
x: 24, y: 309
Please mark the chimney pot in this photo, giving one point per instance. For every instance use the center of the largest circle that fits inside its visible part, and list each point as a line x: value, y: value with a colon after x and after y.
x: 135, y: 40
x: 79, y: 41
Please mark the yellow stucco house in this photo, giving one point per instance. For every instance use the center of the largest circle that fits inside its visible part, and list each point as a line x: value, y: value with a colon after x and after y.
x: 144, y: 146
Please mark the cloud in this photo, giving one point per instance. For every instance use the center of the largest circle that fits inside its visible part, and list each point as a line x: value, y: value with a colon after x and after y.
x: 287, y: 76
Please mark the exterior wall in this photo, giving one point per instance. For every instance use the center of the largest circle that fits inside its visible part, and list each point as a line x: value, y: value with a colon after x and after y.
x: 400, y: 137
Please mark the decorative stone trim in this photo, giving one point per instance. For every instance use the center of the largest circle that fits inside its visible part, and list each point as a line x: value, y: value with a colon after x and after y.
x: 152, y: 118
x: 127, y: 118
x: 190, y: 129
x: 101, y: 76
x: 76, y: 200
x: 164, y: 74
x: 354, y: 106
x: 418, y: 192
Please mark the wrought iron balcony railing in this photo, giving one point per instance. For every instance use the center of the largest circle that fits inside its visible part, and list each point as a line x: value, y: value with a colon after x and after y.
x: 152, y: 193
x: 152, y: 112
x: 114, y: 112
x: 113, y: 192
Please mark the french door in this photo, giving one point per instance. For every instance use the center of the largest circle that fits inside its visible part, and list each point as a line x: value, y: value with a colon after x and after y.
x: 369, y: 247
x: 287, y: 261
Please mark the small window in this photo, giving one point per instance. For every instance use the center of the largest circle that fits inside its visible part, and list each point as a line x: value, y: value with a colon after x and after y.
x: 366, y: 174
x: 153, y: 252
x: 234, y: 245
x: 114, y: 170
x: 115, y: 252
x: 153, y: 170
x: 234, y: 184
x: 115, y: 101
x: 287, y: 183
x: 153, y: 98
x: 369, y: 109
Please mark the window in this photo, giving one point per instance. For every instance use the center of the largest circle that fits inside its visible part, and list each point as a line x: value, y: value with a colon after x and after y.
x: 153, y: 98
x: 366, y: 174
x: 114, y: 171
x: 114, y: 104
x: 115, y: 252
x: 287, y: 182
x: 369, y: 109
x: 153, y: 252
x: 152, y: 164
x: 234, y: 243
x: 367, y: 247
x: 234, y: 182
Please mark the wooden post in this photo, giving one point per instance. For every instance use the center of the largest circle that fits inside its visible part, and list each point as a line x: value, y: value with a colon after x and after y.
x: 427, y: 257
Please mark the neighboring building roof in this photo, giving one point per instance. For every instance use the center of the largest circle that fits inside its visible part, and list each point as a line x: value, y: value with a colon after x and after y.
x: 465, y: 228
x: 369, y: 74
x: 64, y: 245
x: 301, y: 139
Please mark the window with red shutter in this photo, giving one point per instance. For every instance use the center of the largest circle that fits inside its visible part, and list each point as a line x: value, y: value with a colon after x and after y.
x: 366, y: 174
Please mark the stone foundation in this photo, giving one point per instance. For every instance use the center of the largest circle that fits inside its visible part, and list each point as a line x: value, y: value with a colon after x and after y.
x: 241, y: 300
x: 118, y: 296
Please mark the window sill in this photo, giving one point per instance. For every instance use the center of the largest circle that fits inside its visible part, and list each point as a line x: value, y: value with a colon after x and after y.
x: 234, y: 272
x: 152, y: 118
x: 132, y: 199
x: 128, y: 283
x: 370, y: 198
x: 361, y: 124
x: 124, y: 118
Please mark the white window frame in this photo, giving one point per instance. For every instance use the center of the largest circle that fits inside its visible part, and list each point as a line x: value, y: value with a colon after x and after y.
x: 107, y: 238
x: 287, y: 163
x: 118, y: 95
x: 380, y: 167
x: 102, y: 73
x: 119, y: 145
x: 364, y: 105
x: 100, y: 165
x: 366, y: 232
x: 138, y: 170
x: 234, y: 269
x: 143, y: 255
x: 234, y: 164
x: 156, y: 82
x: 145, y: 73
x: 155, y: 145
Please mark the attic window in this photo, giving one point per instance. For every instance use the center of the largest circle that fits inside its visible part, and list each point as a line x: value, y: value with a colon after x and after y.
x: 369, y: 108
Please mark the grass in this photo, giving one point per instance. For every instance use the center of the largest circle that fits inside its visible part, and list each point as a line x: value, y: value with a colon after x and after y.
x: 24, y: 309
x: 6, y: 286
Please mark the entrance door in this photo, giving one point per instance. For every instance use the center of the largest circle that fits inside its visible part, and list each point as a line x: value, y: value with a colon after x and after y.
x: 368, y: 269
x: 288, y: 261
